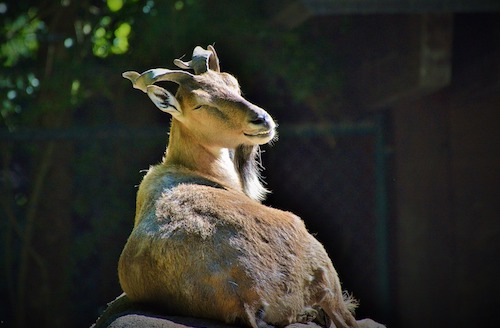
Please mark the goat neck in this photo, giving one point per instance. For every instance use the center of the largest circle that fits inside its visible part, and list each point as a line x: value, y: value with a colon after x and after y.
x: 186, y: 153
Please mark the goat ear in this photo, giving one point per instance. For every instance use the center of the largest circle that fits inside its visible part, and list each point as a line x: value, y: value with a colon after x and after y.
x: 164, y: 100
x: 213, y: 59
x: 141, y: 81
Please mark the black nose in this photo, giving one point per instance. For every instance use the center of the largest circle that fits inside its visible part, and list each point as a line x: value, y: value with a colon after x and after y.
x: 259, y: 120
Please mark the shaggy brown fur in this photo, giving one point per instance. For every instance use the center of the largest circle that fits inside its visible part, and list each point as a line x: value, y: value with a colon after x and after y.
x: 202, y: 244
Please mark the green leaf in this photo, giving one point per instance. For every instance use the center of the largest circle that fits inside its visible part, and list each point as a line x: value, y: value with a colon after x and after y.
x: 114, y: 5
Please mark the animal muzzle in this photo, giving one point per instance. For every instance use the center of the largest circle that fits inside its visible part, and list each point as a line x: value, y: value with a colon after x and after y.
x: 261, y: 127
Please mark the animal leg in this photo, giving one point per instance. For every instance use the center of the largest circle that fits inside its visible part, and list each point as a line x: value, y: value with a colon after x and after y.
x: 322, y: 319
x: 307, y: 316
x: 332, y: 302
x: 342, y: 320
x: 256, y: 318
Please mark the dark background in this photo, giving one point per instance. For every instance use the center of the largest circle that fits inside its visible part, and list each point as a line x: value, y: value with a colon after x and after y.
x: 388, y: 148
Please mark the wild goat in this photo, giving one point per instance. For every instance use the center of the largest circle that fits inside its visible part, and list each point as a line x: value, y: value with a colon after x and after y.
x: 202, y: 244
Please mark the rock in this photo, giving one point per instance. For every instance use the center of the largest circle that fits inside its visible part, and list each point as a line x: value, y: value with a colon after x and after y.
x: 122, y: 313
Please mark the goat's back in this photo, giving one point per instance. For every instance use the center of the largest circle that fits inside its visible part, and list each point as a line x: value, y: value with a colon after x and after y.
x: 205, y: 251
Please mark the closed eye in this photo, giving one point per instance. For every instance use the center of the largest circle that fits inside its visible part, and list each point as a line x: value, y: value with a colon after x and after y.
x: 198, y: 107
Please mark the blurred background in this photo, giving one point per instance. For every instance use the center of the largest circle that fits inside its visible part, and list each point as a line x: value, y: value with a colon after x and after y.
x: 388, y: 148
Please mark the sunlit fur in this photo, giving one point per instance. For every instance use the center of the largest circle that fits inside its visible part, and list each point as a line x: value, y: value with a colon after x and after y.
x: 202, y: 244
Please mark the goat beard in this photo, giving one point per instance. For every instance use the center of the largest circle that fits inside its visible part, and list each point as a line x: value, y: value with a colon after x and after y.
x: 248, y: 164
